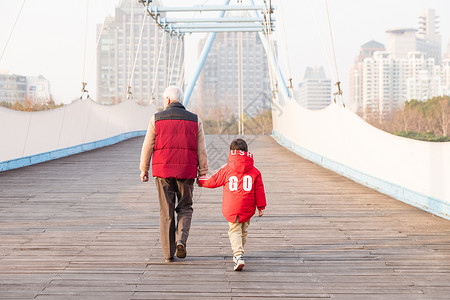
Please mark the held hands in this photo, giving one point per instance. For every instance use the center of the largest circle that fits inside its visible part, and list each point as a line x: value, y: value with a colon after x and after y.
x: 198, y: 181
x: 260, y: 212
x: 144, y: 176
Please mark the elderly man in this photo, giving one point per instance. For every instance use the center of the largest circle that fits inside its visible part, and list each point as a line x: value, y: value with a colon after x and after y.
x: 176, y: 140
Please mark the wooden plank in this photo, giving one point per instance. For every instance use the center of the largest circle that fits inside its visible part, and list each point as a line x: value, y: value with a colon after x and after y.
x: 85, y: 227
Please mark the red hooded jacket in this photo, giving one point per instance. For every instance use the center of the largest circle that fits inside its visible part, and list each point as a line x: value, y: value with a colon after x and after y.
x: 243, y: 188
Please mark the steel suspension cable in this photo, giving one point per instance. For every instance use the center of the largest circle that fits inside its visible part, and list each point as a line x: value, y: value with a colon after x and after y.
x: 338, y: 83
x: 12, y: 30
x: 91, y: 65
x: 242, y: 82
x: 155, y: 50
x: 157, y: 64
x: 96, y: 47
x: 137, y: 52
x: 321, y: 37
x: 181, y: 76
x: 83, y: 83
x: 168, y: 61
x: 173, y: 61
x: 273, y: 80
x: 271, y: 71
x: 130, y: 47
x: 286, y: 54
x: 179, y: 56
x: 332, y: 40
x: 239, y: 47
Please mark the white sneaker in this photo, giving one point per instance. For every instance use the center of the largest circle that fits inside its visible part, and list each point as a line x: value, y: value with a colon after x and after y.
x: 239, y: 262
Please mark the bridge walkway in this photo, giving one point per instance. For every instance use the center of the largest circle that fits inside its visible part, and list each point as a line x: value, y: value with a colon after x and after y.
x: 85, y: 227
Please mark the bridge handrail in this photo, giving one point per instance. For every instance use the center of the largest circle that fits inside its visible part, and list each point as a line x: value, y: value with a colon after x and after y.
x: 84, y: 122
x: 412, y: 171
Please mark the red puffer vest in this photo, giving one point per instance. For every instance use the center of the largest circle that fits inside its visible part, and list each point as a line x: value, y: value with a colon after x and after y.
x: 175, y: 150
x: 243, y: 188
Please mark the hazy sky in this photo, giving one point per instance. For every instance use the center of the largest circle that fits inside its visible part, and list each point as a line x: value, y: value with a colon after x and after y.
x: 49, y: 36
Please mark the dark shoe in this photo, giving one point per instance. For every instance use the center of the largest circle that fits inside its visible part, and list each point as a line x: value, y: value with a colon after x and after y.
x: 168, y: 260
x: 181, y: 250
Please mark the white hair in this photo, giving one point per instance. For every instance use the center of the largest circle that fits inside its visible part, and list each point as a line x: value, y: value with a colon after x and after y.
x: 174, y: 93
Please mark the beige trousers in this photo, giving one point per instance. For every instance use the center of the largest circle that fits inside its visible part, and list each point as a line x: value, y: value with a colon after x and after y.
x: 238, y: 236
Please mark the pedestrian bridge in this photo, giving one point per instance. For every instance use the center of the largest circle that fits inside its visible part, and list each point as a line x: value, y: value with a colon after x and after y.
x: 85, y: 227
x: 411, y: 171
x: 353, y: 212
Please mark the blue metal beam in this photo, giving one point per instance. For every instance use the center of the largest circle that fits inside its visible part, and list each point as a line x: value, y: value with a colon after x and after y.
x: 198, y: 8
x: 197, y: 30
x: 216, y: 25
x: 201, y: 62
x: 211, y: 20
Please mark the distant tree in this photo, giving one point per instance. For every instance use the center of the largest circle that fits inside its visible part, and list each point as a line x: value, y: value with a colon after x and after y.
x: 428, y: 136
x: 428, y: 116
x: 424, y: 120
x: 29, y: 105
x: 221, y: 121
x: 260, y: 124
x: 221, y: 118
x: 444, y: 114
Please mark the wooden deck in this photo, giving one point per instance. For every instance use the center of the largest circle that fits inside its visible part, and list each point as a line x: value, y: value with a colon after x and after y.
x: 85, y: 227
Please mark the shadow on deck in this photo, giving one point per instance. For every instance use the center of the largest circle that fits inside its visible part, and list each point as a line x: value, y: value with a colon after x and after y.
x: 85, y: 227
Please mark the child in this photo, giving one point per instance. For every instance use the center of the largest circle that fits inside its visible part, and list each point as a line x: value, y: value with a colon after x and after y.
x: 243, y: 191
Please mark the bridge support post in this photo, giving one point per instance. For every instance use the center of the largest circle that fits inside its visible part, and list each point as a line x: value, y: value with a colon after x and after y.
x: 201, y: 61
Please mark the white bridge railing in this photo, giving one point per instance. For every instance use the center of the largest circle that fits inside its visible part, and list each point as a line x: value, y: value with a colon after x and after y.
x: 412, y: 171
x: 33, y: 137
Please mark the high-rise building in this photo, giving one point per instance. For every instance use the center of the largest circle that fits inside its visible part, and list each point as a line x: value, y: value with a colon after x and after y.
x: 219, y: 80
x: 410, y: 68
x: 356, y: 75
x: 13, y: 88
x: 151, y: 70
x: 388, y: 82
x: 315, y: 90
x: 428, y: 37
x: 401, y: 41
x: 38, y: 89
x: 424, y: 79
x: 446, y: 71
x: 447, y: 53
x: 19, y: 88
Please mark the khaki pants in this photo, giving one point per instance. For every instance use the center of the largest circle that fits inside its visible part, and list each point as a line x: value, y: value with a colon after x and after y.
x: 238, y: 236
x: 169, y: 190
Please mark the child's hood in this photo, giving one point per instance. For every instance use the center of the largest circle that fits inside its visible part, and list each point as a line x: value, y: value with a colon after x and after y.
x: 240, y: 161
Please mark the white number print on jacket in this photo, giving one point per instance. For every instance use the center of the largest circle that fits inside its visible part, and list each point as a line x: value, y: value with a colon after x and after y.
x: 243, y: 188
x: 246, y: 183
